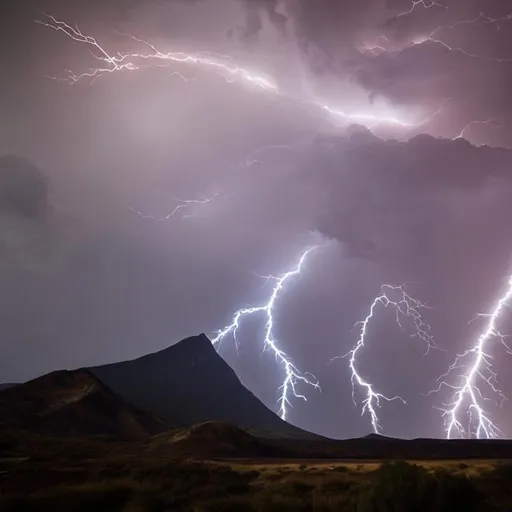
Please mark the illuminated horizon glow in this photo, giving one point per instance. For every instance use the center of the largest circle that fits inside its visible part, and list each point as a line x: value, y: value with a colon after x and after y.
x: 480, y: 369
x: 404, y: 306
x: 293, y: 376
x: 222, y: 65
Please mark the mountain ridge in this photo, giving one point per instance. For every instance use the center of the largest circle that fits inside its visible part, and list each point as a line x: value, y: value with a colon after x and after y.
x: 189, y: 383
x: 73, y: 403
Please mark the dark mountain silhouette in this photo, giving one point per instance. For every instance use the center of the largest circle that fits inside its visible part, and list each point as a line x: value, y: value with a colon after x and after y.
x: 73, y: 404
x: 189, y: 383
x: 7, y: 385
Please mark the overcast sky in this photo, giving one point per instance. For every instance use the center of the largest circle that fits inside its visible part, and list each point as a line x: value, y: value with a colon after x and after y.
x: 88, y: 276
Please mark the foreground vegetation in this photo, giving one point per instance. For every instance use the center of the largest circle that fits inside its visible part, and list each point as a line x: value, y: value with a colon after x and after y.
x: 153, y: 483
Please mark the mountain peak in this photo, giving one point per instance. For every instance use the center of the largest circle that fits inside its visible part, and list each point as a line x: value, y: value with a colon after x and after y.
x: 189, y: 383
x: 193, y: 345
x: 188, y: 348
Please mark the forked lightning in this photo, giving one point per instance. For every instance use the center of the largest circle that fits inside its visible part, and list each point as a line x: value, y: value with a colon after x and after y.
x: 224, y: 65
x: 469, y: 397
x: 293, y: 377
x: 404, y: 306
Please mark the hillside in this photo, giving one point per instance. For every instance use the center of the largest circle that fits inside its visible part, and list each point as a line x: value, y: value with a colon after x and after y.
x: 73, y: 404
x: 213, y: 439
x: 189, y: 383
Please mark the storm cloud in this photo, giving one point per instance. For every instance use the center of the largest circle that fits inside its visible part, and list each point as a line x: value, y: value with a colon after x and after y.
x: 385, y: 204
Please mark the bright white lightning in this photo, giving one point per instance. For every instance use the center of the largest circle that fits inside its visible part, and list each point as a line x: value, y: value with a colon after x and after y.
x: 372, y: 119
x: 126, y: 62
x: 404, y: 306
x: 293, y: 376
x: 433, y: 37
x: 488, y: 122
x: 479, y: 371
x: 221, y: 64
x: 183, y: 203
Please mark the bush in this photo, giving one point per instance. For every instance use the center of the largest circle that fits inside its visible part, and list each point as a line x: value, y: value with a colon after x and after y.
x: 456, y: 493
x: 80, y: 500
x: 265, y: 502
x: 502, y: 470
x: 228, y: 504
x: 403, y: 487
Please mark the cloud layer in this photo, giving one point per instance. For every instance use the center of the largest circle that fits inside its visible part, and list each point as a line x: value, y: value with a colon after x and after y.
x: 403, y: 206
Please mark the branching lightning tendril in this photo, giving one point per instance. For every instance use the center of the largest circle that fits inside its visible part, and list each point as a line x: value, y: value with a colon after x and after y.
x: 433, y: 37
x: 405, y: 306
x: 222, y: 64
x: 420, y: 3
x: 488, y: 122
x: 182, y: 203
x: 478, y: 372
x: 293, y: 376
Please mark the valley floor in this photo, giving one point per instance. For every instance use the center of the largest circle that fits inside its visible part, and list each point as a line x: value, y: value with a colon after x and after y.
x: 81, y: 475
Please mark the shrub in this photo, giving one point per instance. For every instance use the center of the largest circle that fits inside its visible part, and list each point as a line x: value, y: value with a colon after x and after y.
x: 265, y: 502
x: 228, y: 504
x: 456, y: 493
x: 403, y: 487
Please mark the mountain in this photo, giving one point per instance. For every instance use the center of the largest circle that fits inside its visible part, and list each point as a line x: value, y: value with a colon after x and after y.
x: 7, y: 385
x: 73, y: 404
x: 189, y: 383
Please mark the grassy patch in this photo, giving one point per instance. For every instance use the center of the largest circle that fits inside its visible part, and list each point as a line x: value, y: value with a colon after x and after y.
x: 133, y: 484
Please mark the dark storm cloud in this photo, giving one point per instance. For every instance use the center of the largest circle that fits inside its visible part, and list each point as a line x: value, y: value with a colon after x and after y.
x: 469, y: 83
x: 254, y: 22
x: 404, y: 198
x: 329, y: 23
x: 23, y: 188
x: 28, y: 239
x: 432, y: 212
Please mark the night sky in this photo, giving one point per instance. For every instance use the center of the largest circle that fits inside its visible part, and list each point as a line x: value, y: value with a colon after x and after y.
x: 412, y: 186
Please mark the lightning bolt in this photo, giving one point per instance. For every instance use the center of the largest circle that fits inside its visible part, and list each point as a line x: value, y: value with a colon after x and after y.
x: 383, y: 45
x: 404, y: 306
x: 489, y: 122
x: 126, y: 62
x: 183, y: 203
x: 221, y: 64
x: 433, y: 37
x: 479, y: 370
x: 420, y: 3
x: 249, y: 159
x: 292, y: 376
